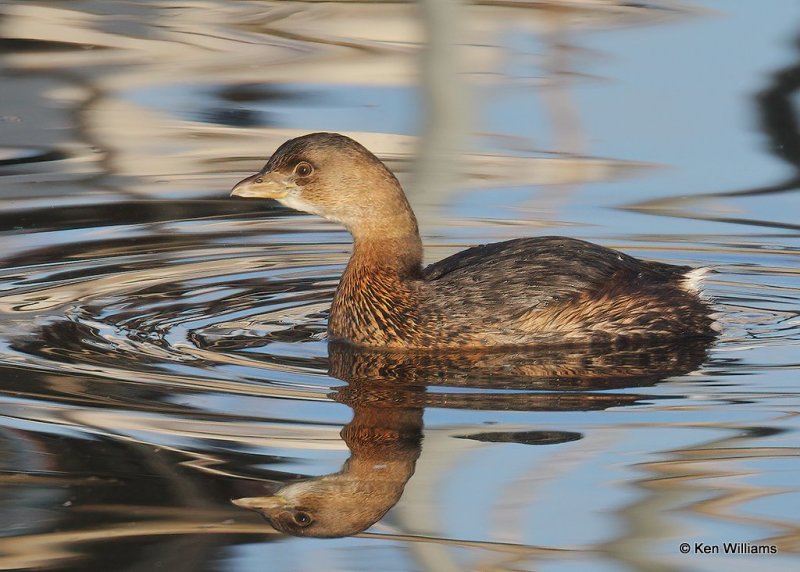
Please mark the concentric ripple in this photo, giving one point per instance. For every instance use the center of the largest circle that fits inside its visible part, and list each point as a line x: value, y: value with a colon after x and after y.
x: 191, y: 298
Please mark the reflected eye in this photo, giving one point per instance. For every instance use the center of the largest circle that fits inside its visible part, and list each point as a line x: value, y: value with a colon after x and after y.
x: 302, y: 518
x: 303, y: 169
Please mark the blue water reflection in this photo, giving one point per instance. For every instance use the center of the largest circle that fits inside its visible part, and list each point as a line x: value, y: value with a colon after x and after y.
x: 162, y: 349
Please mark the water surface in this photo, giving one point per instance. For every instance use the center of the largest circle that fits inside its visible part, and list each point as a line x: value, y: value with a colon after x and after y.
x: 162, y: 347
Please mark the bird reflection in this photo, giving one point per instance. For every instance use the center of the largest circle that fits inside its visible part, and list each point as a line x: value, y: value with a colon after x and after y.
x: 388, y: 392
x: 385, y: 441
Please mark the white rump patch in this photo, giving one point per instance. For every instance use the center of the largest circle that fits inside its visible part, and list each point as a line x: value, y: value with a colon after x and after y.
x: 693, y: 280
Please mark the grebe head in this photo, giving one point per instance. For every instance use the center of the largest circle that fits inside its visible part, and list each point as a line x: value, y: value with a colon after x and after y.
x: 333, y: 176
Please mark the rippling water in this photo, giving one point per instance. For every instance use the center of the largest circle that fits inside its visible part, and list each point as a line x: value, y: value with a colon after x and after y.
x: 162, y: 348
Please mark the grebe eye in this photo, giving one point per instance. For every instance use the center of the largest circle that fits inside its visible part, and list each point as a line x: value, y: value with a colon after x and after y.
x: 259, y: 180
x: 302, y: 518
x: 303, y: 169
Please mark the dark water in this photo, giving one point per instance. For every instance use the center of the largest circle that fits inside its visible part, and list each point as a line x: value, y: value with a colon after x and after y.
x: 162, y: 348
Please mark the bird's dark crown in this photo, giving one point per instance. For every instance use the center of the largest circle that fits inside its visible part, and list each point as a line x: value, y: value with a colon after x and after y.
x: 298, y: 149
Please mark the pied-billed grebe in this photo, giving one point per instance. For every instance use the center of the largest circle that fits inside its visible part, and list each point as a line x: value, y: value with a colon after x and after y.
x: 550, y: 290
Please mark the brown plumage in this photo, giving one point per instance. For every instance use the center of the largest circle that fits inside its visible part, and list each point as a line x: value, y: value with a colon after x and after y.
x: 544, y: 290
x: 385, y: 442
